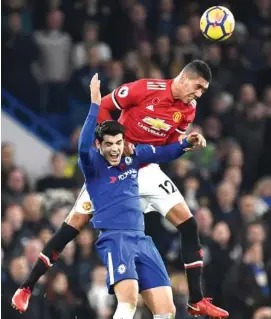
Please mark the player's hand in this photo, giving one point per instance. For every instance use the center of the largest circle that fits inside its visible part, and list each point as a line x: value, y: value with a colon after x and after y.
x: 94, y: 87
x: 128, y: 148
x: 196, y: 140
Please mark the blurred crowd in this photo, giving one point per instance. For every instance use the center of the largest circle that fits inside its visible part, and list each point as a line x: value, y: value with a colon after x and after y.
x: 50, y: 50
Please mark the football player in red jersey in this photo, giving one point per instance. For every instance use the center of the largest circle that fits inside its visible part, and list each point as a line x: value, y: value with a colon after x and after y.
x: 156, y: 112
x: 152, y: 110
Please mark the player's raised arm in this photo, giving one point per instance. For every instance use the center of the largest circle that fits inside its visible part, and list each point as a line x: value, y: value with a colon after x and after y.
x: 151, y: 154
x: 87, y: 135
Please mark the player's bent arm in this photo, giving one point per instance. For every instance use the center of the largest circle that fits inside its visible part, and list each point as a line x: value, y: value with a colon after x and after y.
x: 87, y: 136
x: 127, y: 95
x: 158, y: 154
x: 175, y: 137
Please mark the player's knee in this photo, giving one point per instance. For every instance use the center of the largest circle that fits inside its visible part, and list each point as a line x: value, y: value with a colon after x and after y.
x: 130, y: 298
x: 126, y: 291
x: 172, y: 310
x: 179, y: 214
x: 168, y: 312
x: 165, y: 316
x: 125, y: 310
x: 77, y: 220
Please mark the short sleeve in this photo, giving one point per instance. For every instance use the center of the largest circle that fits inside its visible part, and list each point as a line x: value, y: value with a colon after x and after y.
x: 128, y: 94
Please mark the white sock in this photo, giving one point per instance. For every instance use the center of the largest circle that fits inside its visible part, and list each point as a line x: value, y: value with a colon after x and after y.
x: 125, y: 311
x: 164, y: 316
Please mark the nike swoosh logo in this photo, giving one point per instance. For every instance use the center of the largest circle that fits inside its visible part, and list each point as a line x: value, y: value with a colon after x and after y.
x: 109, y: 167
x: 196, y: 309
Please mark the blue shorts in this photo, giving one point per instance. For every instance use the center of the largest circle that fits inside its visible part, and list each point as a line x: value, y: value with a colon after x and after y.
x: 131, y: 255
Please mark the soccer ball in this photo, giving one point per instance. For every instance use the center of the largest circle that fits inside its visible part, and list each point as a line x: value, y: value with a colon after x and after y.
x: 217, y: 23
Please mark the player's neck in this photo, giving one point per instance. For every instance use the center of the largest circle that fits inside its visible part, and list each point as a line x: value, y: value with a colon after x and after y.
x: 174, y: 90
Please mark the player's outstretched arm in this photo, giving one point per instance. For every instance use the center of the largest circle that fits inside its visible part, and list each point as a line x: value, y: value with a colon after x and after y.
x: 87, y: 135
x: 151, y: 154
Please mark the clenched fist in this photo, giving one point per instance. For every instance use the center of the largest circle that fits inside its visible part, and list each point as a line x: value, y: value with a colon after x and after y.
x: 196, y: 140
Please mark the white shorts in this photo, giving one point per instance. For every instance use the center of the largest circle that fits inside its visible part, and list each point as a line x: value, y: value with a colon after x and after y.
x: 83, y: 204
x: 157, y: 192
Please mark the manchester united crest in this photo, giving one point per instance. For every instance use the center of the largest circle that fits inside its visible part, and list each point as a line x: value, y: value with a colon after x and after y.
x: 177, y: 116
x: 87, y: 205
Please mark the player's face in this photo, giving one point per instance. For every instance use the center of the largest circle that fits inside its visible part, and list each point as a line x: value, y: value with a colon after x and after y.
x: 192, y: 88
x: 112, y: 148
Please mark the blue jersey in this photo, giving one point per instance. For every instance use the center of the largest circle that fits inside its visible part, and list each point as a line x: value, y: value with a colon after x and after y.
x: 114, y: 190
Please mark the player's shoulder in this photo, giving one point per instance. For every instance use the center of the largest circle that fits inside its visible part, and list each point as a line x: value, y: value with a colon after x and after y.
x: 96, y: 154
x: 193, y: 104
x: 156, y: 84
x: 143, y: 88
x: 134, y: 87
x: 147, y: 84
x: 189, y: 108
x: 192, y: 107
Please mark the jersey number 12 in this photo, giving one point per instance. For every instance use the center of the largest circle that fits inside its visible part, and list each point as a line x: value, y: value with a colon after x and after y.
x: 168, y: 187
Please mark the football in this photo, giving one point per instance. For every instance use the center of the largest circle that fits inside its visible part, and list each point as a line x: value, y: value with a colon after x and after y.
x: 217, y: 23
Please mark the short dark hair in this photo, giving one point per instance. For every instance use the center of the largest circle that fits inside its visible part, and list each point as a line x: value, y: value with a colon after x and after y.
x: 200, y: 68
x: 108, y: 128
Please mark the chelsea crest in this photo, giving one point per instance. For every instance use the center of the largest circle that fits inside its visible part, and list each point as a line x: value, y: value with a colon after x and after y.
x: 128, y: 160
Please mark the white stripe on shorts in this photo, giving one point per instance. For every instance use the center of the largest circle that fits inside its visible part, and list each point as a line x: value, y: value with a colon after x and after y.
x: 110, y: 269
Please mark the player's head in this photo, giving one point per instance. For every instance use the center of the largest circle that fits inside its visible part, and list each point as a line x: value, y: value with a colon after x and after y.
x: 110, y: 141
x: 192, y: 82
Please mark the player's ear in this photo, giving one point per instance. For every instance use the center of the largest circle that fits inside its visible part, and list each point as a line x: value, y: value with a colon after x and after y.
x: 97, y: 144
x: 183, y: 77
x: 186, y: 77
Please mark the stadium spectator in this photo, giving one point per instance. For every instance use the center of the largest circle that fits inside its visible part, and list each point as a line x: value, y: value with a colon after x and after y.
x: 7, y: 161
x: 16, y: 188
x: 54, y: 66
x: 91, y: 38
x: 57, y: 178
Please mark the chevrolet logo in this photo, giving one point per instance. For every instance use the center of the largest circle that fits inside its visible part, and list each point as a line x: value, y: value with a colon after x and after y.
x: 157, y: 124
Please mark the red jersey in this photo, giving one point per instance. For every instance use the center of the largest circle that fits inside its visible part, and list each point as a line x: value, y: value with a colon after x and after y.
x: 149, y: 112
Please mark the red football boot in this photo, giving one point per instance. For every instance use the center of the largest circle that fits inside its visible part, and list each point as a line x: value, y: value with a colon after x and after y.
x: 206, y: 308
x: 20, y: 300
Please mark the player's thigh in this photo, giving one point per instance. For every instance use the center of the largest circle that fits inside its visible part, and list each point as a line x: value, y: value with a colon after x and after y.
x: 77, y: 220
x: 150, y: 267
x: 127, y: 291
x: 118, y: 251
x: 159, y: 300
x: 157, y: 190
x: 154, y: 282
x: 81, y: 211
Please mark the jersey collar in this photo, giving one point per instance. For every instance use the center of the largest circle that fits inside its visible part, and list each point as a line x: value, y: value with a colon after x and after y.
x: 169, y: 93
